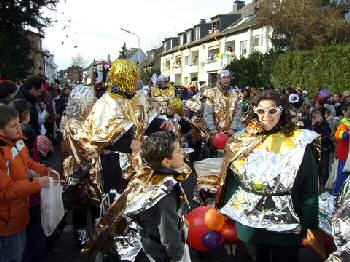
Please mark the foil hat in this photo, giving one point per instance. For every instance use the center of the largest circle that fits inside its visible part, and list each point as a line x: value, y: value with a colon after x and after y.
x: 122, y: 77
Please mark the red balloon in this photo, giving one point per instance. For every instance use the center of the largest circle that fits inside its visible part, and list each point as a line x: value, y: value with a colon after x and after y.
x: 229, y: 232
x: 197, y: 227
x: 220, y: 140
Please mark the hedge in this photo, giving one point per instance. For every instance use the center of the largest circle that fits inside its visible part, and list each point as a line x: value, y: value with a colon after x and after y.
x: 327, y: 67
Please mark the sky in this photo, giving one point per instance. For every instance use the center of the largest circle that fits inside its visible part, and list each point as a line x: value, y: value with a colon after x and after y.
x: 91, y: 28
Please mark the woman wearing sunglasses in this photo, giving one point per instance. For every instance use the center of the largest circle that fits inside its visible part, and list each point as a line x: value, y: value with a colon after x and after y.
x: 269, y: 181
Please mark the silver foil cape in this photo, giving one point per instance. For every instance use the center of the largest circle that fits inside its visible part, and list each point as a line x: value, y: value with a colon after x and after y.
x: 129, y: 245
x: 262, y: 175
x: 341, y: 225
x: 325, y: 211
x: 149, y: 196
x: 81, y: 99
x: 342, y: 254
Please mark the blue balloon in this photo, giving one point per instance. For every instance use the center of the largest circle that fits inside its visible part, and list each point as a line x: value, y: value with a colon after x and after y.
x: 212, y: 240
x: 325, y: 93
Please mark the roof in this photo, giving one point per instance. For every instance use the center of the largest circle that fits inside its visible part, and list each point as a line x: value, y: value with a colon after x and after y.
x: 131, y: 52
x: 247, y: 20
x: 242, y: 24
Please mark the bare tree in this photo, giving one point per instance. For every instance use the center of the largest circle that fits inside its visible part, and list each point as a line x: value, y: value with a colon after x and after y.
x: 79, y: 60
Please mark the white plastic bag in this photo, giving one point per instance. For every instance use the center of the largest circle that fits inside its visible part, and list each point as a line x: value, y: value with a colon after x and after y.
x: 332, y: 175
x: 346, y: 168
x: 52, y: 210
x: 186, y: 257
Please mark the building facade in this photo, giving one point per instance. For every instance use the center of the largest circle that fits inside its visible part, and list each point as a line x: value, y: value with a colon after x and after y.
x: 198, y: 53
x: 50, y: 68
x: 37, y: 55
x: 74, y: 74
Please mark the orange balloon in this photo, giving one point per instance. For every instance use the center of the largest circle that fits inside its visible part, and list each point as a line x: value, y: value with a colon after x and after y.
x: 214, y: 219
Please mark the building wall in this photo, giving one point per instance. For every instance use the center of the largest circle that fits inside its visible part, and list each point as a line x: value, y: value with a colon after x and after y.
x: 36, y: 54
x: 246, y: 41
x: 135, y: 57
x: 50, y: 67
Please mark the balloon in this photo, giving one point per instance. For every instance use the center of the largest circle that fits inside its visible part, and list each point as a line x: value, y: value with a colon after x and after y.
x: 214, y: 219
x: 212, y: 240
x: 325, y: 93
x: 229, y: 232
x: 197, y: 227
x: 220, y: 140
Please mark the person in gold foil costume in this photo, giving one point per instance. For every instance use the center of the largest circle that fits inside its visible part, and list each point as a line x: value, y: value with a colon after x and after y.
x: 162, y: 92
x: 223, y: 107
x: 116, y: 123
x: 268, y: 181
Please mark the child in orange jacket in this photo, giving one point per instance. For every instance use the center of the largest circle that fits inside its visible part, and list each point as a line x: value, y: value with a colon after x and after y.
x: 16, y: 185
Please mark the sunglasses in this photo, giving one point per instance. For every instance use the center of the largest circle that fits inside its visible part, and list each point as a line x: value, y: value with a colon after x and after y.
x: 270, y: 111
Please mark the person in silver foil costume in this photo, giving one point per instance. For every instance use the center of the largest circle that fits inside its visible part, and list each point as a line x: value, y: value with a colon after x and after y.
x: 153, y: 199
x: 269, y: 181
x: 341, y: 225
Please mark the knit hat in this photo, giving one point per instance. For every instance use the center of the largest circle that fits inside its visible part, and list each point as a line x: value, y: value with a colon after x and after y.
x: 44, y: 145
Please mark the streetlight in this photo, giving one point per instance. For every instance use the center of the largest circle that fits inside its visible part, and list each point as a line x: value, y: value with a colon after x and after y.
x: 138, y: 39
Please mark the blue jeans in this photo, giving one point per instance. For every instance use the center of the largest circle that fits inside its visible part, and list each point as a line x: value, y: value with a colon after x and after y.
x: 341, y: 177
x: 35, y: 238
x: 11, y: 247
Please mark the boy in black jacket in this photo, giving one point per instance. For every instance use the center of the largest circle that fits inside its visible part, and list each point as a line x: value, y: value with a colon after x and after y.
x: 161, y: 235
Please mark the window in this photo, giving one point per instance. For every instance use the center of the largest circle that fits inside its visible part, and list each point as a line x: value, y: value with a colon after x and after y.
x: 256, y: 41
x: 213, y: 53
x: 216, y: 26
x: 186, y: 80
x: 189, y: 37
x: 186, y: 60
x: 194, y: 58
x: 177, y: 62
x: 243, y: 48
x: 197, y: 33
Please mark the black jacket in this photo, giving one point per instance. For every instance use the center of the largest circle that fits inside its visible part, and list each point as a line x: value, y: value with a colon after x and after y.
x: 325, y: 131
x: 24, y: 94
x: 161, y: 235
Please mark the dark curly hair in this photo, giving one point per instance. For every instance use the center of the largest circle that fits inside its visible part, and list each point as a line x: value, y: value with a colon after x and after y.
x: 156, y: 147
x: 285, y: 125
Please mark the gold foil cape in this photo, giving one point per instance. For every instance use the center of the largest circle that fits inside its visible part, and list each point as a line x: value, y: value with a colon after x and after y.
x: 110, y: 117
x: 195, y: 103
x: 79, y: 157
x: 143, y: 191
x: 199, y: 128
x: 76, y: 153
x: 263, y: 199
x: 239, y: 146
x: 113, y: 115
x: 163, y: 96
x: 224, y: 105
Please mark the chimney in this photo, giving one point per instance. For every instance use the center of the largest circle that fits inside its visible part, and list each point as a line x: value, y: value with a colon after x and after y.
x: 202, y: 21
x: 237, y: 5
